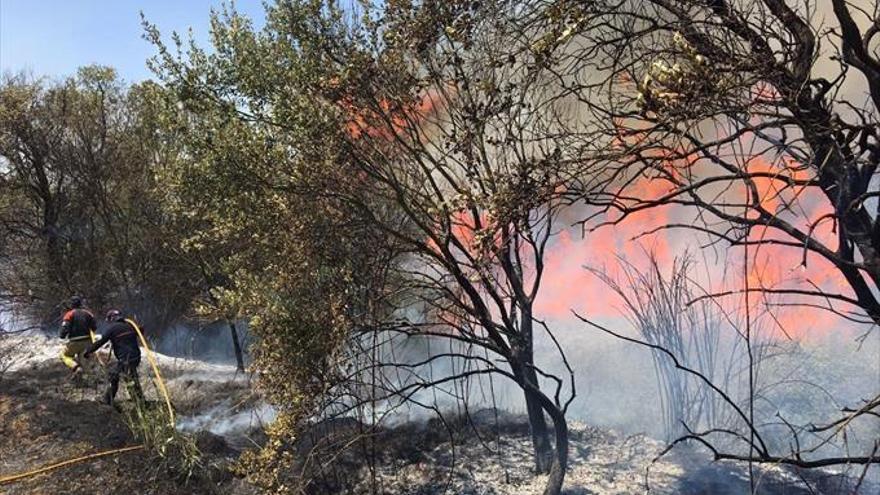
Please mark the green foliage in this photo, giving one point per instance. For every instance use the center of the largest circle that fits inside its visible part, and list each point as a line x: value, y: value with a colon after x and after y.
x: 255, y: 184
x: 169, y: 450
x: 78, y: 213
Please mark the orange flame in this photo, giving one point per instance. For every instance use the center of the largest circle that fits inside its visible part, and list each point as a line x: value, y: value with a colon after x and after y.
x: 567, y: 286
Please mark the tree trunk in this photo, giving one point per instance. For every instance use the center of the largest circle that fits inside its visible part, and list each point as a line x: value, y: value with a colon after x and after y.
x: 528, y: 381
x: 524, y: 370
x: 56, y: 271
x: 560, y: 458
x: 557, y: 461
x: 236, y: 346
x: 538, y: 427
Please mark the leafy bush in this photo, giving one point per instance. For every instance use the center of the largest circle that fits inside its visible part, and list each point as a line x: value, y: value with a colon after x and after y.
x: 170, y: 450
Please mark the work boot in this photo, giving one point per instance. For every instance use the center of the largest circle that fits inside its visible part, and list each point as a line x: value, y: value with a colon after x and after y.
x: 75, y: 373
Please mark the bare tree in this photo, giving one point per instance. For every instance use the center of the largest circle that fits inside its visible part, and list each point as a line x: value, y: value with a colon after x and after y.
x: 735, y: 115
x: 441, y: 124
x: 459, y: 134
x: 757, y: 115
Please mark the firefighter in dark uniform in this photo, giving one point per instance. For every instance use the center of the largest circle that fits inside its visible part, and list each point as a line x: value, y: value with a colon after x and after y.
x: 123, y: 339
x: 78, y: 327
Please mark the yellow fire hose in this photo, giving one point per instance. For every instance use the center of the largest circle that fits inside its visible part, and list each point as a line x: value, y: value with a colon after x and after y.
x: 161, y: 385
x: 155, y: 366
x: 16, y: 477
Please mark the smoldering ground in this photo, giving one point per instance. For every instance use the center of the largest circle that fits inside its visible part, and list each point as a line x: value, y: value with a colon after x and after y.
x: 617, y: 384
x: 806, y: 382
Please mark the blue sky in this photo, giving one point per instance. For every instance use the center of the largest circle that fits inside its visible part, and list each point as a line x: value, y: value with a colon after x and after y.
x: 54, y: 37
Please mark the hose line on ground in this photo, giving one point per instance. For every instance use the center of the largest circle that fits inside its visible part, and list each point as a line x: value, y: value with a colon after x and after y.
x: 17, y: 477
x: 161, y: 385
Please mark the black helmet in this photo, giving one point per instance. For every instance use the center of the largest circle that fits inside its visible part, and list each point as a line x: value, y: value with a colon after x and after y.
x: 76, y: 302
x: 114, y: 315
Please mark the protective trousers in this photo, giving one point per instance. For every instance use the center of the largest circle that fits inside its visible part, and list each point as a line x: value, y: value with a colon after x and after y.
x: 127, y: 370
x: 73, y: 351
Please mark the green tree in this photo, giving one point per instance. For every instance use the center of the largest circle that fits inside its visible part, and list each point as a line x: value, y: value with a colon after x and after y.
x: 77, y: 215
x: 263, y: 215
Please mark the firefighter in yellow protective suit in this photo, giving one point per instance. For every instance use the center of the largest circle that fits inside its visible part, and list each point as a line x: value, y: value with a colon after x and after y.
x: 78, y: 327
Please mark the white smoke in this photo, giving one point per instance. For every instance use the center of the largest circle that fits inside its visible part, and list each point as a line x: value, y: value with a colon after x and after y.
x: 225, y: 420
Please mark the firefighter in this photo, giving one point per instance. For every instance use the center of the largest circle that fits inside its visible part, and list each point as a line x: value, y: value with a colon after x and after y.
x: 123, y: 339
x: 78, y: 327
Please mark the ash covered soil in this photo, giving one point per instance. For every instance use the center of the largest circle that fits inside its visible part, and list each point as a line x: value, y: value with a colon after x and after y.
x: 485, y: 454
x: 46, y: 418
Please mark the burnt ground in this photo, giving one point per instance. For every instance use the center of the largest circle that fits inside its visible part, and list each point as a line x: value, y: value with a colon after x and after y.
x: 485, y: 454
x: 46, y: 418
